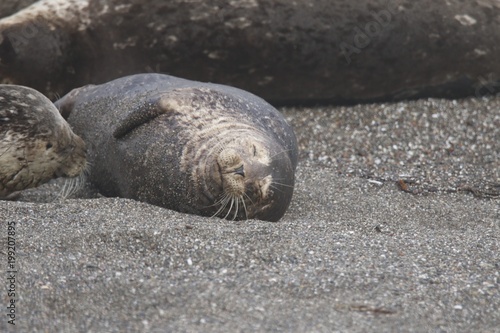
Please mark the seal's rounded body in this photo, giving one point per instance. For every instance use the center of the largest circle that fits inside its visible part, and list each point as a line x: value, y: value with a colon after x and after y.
x: 194, y: 147
x: 36, y: 143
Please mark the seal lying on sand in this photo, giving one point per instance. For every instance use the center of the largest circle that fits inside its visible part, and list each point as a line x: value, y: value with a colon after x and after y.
x: 194, y: 147
x: 36, y: 143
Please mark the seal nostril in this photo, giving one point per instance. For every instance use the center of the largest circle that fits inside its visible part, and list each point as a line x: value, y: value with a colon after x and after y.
x: 49, y: 145
x: 240, y: 171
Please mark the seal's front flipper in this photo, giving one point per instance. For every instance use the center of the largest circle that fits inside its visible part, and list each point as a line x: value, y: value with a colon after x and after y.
x: 174, y: 101
x: 143, y: 114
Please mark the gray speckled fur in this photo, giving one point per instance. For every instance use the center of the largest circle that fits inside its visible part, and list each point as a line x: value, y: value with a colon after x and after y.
x: 36, y: 143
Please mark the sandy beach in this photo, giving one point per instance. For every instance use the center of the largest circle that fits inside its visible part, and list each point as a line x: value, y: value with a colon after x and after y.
x: 394, y: 227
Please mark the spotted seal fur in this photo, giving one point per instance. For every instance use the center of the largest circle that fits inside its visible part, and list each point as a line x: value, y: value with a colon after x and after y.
x: 36, y: 143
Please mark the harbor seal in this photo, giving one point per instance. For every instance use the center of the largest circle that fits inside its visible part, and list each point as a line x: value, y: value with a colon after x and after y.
x: 198, y: 148
x: 36, y: 143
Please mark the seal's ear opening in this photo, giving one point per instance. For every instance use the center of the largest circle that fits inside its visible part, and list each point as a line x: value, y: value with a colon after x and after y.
x: 141, y: 115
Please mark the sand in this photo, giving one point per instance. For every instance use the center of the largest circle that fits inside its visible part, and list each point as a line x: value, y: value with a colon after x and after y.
x: 394, y: 226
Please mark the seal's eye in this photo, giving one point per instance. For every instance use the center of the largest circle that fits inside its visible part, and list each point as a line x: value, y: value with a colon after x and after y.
x: 49, y: 145
x: 240, y: 171
x: 254, y: 150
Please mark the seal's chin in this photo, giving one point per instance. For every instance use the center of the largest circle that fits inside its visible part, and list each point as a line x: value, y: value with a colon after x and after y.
x: 257, y: 182
x: 273, y: 193
x: 75, y: 160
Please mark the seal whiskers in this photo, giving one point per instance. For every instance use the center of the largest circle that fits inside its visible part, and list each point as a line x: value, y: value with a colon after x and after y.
x: 72, y: 185
x: 223, y: 203
x: 230, y: 207
x: 244, y: 207
x: 275, y: 182
x: 67, y: 189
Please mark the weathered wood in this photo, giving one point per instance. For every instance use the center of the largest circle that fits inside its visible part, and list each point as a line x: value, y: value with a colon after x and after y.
x: 285, y: 51
x: 9, y: 7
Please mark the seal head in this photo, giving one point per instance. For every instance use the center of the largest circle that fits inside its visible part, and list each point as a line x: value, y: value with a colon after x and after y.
x: 250, y: 178
x: 36, y: 143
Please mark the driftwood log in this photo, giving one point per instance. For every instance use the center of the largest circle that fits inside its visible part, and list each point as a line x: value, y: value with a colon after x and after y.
x: 285, y: 51
x: 9, y: 7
